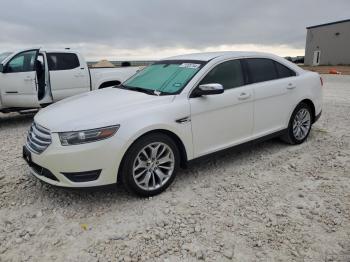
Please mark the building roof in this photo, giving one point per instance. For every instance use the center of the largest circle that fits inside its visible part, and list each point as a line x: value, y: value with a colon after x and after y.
x: 332, y: 23
x: 211, y: 55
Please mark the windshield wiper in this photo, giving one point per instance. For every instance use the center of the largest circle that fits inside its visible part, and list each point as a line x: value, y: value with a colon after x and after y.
x: 144, y: 90
x: 138, y: 89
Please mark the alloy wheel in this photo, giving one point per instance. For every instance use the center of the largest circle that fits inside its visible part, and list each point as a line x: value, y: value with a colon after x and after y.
x: 153, y: 166
x: 301, y: 124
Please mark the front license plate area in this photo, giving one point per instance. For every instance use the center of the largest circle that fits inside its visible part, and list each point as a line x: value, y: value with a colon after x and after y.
x: 27, y: 155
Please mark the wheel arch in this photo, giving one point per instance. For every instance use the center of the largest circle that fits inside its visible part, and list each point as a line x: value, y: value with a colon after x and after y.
x: 307, y: 101
x: 172, y: 135
x: 311, y: 105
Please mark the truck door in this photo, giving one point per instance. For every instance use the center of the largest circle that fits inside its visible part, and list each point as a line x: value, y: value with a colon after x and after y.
x: 67, y: 75
x: 43, y: 80
x: 18, y: 81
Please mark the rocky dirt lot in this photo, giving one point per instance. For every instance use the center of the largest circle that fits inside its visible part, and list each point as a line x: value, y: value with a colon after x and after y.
x: 268, y: 202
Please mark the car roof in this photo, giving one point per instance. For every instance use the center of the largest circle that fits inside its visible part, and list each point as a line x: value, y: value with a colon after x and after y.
x: 58, y: 50
x: 212, y: 55
x: 235, y: 54
x: 63, y: 50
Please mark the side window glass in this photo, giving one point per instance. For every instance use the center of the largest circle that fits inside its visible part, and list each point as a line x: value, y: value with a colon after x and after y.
x: 62, y: 61
x: 284, y: 71
x: 229, y: 74
x: 261, y: 69
x: 23, y: 62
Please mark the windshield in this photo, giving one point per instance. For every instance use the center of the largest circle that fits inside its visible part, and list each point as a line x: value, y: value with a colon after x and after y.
x: 165, y: 77
x: 4, y: 55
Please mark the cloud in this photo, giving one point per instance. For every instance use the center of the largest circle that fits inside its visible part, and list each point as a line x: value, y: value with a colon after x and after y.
x: 139, y: 28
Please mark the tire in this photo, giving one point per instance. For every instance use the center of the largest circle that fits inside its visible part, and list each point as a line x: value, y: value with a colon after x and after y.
x: 297, y: 122
x: 142, y: 173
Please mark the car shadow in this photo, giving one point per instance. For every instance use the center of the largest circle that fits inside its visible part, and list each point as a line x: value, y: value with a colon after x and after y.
x: 235, y: 155
x: 95, y: 197
x: 14, y: 120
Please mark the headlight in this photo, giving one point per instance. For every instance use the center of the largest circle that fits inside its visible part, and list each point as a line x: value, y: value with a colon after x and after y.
x: 86, y: 136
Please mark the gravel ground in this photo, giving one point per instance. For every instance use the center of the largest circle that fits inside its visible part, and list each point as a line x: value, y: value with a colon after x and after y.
x: 268, y: 202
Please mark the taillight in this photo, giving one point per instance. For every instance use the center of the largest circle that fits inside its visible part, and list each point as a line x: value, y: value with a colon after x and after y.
x: 321, y: 81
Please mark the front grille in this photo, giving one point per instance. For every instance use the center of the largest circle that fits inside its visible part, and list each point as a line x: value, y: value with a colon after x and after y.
x: 38, y: 139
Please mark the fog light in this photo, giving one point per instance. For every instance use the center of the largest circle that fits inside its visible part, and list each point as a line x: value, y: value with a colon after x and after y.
x: 86, y: 176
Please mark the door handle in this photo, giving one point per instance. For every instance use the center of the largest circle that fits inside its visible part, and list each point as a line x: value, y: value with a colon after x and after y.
x: 291, y: 86
x: 28, y: 79
x: 243, y: 96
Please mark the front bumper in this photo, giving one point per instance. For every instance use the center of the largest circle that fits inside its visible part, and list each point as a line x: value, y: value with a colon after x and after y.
x: 57, y: 164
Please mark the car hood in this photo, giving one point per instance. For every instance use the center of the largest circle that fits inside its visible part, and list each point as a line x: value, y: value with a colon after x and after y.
x: 96, y: 109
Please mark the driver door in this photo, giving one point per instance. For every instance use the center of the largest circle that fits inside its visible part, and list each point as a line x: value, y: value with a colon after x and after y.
x: 224, y: 120
x: 18, y: 81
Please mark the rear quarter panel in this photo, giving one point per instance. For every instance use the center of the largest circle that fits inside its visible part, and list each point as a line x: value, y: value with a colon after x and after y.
x: 308, y: 87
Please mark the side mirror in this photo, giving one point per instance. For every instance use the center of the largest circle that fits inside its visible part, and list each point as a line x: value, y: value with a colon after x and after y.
x: 2, y: 68
x: 208, y: 89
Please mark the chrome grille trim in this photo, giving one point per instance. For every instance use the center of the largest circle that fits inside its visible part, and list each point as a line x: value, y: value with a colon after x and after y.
x: 38, y: 139
x: 43, y: 135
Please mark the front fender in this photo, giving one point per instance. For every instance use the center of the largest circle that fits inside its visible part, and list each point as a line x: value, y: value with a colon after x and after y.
x: 183, y: 133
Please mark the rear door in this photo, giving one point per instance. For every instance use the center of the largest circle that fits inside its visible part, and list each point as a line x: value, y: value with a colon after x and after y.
x: 67, y: 75
x: 19, y: 82
x: 273, y: 84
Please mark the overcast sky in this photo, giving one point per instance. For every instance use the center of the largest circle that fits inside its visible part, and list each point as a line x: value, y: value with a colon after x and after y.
x: 151, y: 29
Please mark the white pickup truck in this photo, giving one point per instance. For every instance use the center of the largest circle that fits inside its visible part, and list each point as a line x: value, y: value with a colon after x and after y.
x: 34, y: 78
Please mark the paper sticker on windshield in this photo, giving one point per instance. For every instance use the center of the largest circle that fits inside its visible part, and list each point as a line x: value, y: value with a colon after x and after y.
x: 190, y: 65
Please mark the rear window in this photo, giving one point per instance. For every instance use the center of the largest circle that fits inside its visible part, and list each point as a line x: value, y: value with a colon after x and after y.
x: 284, y: 71
x: 62, y: 61
x: 261, y: 69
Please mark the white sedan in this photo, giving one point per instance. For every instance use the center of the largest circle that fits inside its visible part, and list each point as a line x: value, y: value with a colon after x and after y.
x: 173, y: 111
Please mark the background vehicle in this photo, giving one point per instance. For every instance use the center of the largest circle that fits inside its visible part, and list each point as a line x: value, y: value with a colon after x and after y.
x: 36, y: 77
x: 173, y: 111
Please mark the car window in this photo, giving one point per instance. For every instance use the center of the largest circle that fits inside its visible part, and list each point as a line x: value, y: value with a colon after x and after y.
x: 229, y: 74
x: 284, y: 71
x: 261, y: 69
x: 23, y: 62
x: 62, y: 61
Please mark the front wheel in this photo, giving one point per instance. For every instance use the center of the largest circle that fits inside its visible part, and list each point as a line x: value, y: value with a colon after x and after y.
x: 150, y: 165
x: 299, y: 125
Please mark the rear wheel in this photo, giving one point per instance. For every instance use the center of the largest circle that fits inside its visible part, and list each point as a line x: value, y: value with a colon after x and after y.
x: 150, y: 165
x: 299, y: 125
